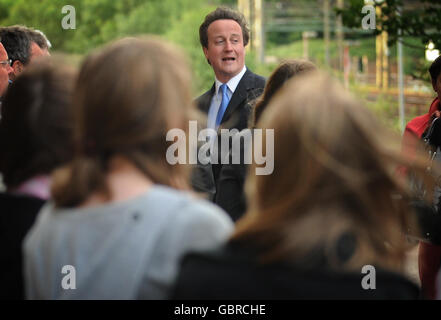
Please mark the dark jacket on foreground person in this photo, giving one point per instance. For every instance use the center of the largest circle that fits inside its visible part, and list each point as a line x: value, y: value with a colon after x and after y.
x: 233, y: 272
x: 18, y: 213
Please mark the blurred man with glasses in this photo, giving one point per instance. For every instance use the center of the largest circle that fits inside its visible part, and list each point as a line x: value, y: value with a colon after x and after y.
x: 5, y: 69
x: 22, y: 45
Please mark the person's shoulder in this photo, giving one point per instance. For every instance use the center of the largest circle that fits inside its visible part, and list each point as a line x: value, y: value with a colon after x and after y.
x: 205, y: 97
x: 208, y: 257
x: 415, y: 120
x: 257, y: 80
x: 200, y: 276
x: 20, y: 211
x: 20, y: 203
x: 229, y: 255
x: 416, y: 126
x: 204, y: 100
x: 191, y: 208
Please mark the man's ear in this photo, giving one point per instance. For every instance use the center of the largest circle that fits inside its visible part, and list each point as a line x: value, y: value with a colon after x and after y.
x: 18, y: 67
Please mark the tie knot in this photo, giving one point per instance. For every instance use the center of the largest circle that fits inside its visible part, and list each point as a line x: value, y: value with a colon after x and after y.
x: 224, y: 88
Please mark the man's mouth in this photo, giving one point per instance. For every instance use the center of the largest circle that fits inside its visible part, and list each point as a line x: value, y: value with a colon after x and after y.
x: 229, y: 59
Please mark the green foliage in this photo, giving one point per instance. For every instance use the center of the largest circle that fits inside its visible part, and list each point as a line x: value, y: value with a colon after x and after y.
x: 385, y: 109
x: 185, y: 33
x: 294, y: 50
x: 97, y: 21
x: 274, y: 39
x: 44, y: 15
x: 4, y: 9
x: 422, y: 20
x: 415, y: 63
x: 101, y: 21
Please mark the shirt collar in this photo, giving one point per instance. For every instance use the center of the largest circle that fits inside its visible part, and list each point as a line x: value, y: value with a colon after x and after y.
x: 232, y: 83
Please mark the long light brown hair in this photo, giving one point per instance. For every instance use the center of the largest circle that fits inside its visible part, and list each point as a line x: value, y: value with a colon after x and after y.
x: 334, y: 173
x: 128, y: 95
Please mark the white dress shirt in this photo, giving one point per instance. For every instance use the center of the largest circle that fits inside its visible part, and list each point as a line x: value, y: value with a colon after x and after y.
x: 217, y: 97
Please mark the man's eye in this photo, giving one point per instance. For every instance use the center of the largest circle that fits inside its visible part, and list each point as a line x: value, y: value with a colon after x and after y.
x: 219, y: 41
x: 235, y: 41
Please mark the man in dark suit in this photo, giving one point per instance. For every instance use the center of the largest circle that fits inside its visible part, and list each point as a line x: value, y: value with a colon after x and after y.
x: 223, y: 36
x: 22, y: 45
x: 5, y: 69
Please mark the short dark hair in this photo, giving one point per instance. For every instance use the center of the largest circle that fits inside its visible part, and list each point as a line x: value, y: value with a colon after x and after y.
x: 39, y: 38
x: 17, y: 43
x: 435, y: 69
x: 36, y: 123
x: 222, y: 13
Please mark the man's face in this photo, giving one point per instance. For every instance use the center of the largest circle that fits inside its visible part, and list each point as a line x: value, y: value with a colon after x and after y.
x: 5, y: 69
x: 225, y: 51
x: 36, y: 52
x: 18, y: 67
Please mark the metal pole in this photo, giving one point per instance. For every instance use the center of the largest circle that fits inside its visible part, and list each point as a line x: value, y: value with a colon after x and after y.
x: 244, y: 7
x: 326, y: 30
x: 258, y: 31
x: 305, y: 45
x: 379, y: 56
x: 400, y: 79
x: 385, y: 62
x: 339, y: 34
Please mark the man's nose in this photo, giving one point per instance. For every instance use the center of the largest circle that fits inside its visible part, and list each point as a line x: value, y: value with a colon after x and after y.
x: 228, y: 46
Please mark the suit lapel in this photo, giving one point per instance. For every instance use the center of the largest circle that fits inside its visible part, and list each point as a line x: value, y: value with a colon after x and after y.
x: 204, y: 101
x: 239, y: 95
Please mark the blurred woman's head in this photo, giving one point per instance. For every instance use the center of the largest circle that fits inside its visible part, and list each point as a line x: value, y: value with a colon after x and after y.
x: 285, y: 71
x: 128, y: 95
x: 333, y: 176
x: 36, y: 122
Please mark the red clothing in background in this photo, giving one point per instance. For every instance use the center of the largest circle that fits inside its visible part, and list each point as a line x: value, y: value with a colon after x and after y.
x: 429, y: 255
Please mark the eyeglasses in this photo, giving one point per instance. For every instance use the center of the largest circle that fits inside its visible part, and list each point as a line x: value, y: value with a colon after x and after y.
x: 6, y: 62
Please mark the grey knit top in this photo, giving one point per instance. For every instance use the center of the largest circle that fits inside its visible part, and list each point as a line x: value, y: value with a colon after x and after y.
x: 122, y: 250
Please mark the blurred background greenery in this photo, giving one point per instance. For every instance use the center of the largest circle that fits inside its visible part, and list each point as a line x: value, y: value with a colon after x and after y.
x: 285, y: 23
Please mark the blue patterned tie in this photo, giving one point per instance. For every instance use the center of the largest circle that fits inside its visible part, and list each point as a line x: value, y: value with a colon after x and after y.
x: 224, y: 104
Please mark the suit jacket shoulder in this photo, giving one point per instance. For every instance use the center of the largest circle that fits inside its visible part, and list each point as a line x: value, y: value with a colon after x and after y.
x: 203, y: 101
x: 249, y: 88
x: 237, y: 114
x: 255, y: 81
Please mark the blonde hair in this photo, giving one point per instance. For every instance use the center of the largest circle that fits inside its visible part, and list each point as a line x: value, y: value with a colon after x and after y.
x: 128, y: 95
x: 334, y: 173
